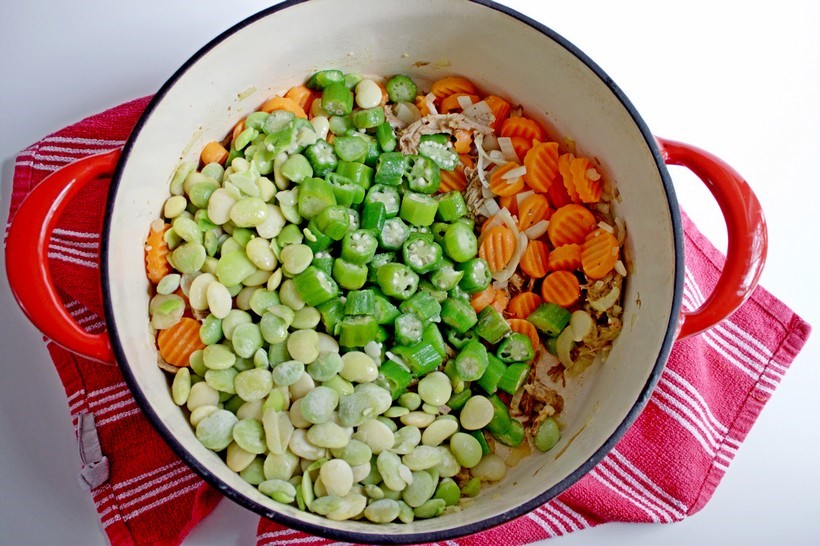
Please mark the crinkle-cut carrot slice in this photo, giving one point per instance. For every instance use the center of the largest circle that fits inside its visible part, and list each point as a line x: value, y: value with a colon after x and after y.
x: 501, y: 110
x: 466, y: 160
x: 558, y: 195
x: 502, y: 186
x: 178, y: 342
x: 453, y: 180
x: 561, y: 288
x: 521, y: 146
x: 523, y: 305
x: 599, y: 253
x: 509, y: 202
x: 283, y: 103
x: 564, y: 162
x: 213, y: 152
x: 451, y: 104
x: 500, y: 301
x: 450, y: 85
x: 542, y: 166
x: 523, y: 127
x: 586, y: 180
x: 302, y: 96
x: 535, y: 260
x: 527, y: 328
x: 570, y: 224
x: 565, y: 257
x: 498, y: 247
x: 532, y: 210
x: 482, y: 299
x: 464, y: 139
x: 421, y: 104
x: 156, y: 254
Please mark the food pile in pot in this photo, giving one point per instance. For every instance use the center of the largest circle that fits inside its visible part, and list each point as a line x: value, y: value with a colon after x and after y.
x: 369, y: 295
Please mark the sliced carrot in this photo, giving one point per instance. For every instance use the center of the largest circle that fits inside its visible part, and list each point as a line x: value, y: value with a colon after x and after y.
x: 498, y: 247
x: 283, y: 103
x: 564, y: 162
x: 450, y: 103
x: 522, y: 305
x: 178, y: 342
x: 421, y: 104
x: 302, y: 96
x: 533, y: 209
x: 558, y: 195
x: 599, y: 253
x: 464, y: 139
x: 238, y: 128
x: 482, y: 299
x: 570, y: 224
x: 561, y: 288
x: 521, y: 145
x: 156, y: 254
x: 542, y: 166
x: 587, y: 181
x: 565, y: 257
x: 385, y: 96
x: 509, y: 202
x: 466, y: 160
x: 214, y: 152
x: 535, y: 260
x: 500, y: 301
x: 523, y: 127
x: 502, y: 186
x: 527, y: 328
x: 452, y: 84
x: 501, y: 110
x: 453, y: 180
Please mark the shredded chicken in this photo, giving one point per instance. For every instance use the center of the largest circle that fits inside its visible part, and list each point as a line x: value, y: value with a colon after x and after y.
x: 438, y: 123
x: 390, y: 117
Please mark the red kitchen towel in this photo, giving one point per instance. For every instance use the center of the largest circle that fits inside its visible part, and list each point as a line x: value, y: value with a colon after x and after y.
x: 665, y: 468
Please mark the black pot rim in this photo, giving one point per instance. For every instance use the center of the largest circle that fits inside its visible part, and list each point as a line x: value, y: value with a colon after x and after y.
x: 377, y: 536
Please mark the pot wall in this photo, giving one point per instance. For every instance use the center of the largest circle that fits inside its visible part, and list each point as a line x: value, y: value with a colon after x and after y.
x: 425, y: 39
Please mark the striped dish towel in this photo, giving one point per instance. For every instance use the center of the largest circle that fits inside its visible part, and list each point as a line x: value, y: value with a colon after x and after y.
x: 666, y: 467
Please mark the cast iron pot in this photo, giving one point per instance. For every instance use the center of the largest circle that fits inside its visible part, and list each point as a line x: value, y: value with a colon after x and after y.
x: 270, y: 52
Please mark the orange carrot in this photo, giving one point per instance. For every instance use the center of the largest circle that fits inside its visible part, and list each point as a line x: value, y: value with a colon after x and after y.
x: 453, y: 180
x: 564, y: 162
x: 523, y: 127
x: 521, y: 145
x: 302, y: 96
x: 570, y: 224
x: 385, y: 96
x: 282, y: 103
x: 238, y: 128
x: 482, y: 299
x: 501, y: 110
x: 156, y: 254
x: 452, y: 84
x: 214, y: 152
x: 527, y: 328
x: 466, y: 160
x: 565, y: 257
x: 464, y: 138
x: 421, y: 104
x: 542, y: 166
x: 178, y: 342
x: 534, y: 261
x: 500, y: 301
x: 533, y: 209
x: 522, y: 305
x: 498, y: 247
x: 450, y: 103
x: 561, y: 288
x: 558, y: 195
x: 586, y: 179
x: 509, y: 202
x: 599, y: 253
x: 502, y: 186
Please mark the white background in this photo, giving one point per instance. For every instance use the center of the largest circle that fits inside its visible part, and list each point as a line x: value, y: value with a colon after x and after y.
x: 740, y: 79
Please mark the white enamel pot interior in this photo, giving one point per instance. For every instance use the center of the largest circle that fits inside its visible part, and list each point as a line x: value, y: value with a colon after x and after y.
x: 281, y: 47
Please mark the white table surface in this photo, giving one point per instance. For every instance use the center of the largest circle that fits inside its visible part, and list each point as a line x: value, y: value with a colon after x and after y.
x: 735, y: 78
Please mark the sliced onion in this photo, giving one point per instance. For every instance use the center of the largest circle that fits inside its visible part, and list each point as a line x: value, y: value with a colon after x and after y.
x: 606, y: 227
x: 510, y: 268
x: 491, y: 207
x: 581, y: 323
x: 537, y: 230
x: 478, y: 110
x: 604, y: 303
x: 563, y: 346
x: 519, y: 197
x: 506, y: 146
x: 407, y: 113
x: 489, y: 142
x: 503, y: 217
x: 430, y: 99
x: 497, y: 157
x: 516, y: 172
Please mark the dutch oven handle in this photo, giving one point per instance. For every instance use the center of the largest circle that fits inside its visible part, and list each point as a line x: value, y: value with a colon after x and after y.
x: 747, y: 236
x: 27, y: 256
